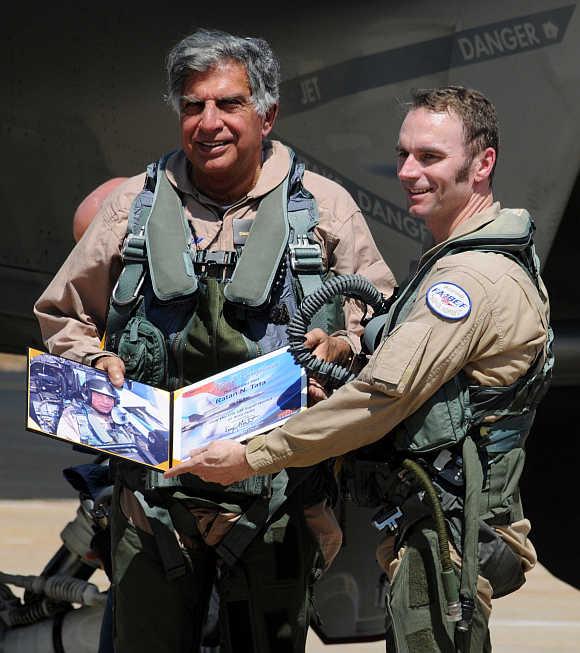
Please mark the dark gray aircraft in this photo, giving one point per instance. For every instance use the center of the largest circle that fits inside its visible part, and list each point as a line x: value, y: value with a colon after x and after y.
x: 83, y: 102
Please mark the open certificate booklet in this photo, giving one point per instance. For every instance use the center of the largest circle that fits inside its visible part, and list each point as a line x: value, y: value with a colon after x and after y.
x: 77, y: 404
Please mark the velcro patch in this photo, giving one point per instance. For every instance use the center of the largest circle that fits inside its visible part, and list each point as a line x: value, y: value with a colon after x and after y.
x: 448, y: 300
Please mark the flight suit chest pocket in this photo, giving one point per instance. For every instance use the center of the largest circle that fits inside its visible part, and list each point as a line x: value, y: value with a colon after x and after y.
x: 398, y: 358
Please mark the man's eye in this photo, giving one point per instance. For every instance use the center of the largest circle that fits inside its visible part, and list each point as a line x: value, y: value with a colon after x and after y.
x: 229, y: 104
x: 191, y: 108
x: 428, y: 158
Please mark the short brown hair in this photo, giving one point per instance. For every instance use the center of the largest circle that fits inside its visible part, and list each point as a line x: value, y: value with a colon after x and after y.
x: 477, y: 113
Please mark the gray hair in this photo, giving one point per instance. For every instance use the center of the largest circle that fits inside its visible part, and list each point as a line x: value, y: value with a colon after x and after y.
x: 206, y: 49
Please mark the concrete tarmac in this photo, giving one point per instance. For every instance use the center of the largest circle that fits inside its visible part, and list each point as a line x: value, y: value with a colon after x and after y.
x: 543, y: 616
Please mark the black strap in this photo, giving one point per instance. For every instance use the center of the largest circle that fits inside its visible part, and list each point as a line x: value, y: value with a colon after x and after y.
x: 169, y: 550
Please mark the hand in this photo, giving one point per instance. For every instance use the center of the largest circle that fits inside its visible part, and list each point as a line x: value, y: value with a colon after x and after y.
x: 316, y: 391
x: 222, y: 461
x: 330, y: 348
x: 114, y: 367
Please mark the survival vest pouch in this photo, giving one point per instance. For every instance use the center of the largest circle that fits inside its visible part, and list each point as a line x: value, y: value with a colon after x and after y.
x: 474, y: 464
x: 142, y: 347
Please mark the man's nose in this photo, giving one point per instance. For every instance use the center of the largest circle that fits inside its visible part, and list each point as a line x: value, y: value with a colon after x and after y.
x: 409, y: 169
x: 211, y: 119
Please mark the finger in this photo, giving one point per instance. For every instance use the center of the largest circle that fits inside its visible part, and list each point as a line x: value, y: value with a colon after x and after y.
x: 114, y: 367
x: 185, y: 467
x: 195, y: 453
x: 316, y: 392
x: 314, y: 338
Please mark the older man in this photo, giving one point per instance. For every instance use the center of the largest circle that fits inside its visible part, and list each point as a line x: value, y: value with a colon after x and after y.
x: 454, y: 385
x: 224, y: 237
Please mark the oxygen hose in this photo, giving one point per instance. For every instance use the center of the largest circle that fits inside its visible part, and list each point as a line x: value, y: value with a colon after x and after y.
x: 353, y: 286
x: 358, y: 287
x: 448, y: 576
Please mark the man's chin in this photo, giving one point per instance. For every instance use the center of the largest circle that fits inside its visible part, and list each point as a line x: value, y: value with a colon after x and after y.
x: 417, y: 212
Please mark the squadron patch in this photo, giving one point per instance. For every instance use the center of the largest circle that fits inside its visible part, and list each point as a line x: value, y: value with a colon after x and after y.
x: 448, y: 300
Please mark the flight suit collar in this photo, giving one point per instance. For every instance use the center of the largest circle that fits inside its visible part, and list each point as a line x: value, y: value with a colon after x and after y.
x: 471, y: 225
x: 276, y: 162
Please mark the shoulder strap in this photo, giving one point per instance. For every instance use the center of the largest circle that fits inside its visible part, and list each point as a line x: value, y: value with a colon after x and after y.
x: 262, y: 254
x: 305, y: 252
x: 156, y: 230
x: 167, y: 236
x: 125, y: 295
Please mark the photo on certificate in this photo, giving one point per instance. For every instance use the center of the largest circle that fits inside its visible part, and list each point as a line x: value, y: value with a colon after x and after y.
x: 239, y: 403
x: 78, y: 404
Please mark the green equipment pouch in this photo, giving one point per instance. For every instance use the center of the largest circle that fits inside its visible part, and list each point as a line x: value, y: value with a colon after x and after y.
x: 498, y: 562
x: 143, y: 349
x: 441, y: 422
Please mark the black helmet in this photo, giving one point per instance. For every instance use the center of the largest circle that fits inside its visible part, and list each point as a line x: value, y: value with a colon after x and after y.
x: 102, y: 386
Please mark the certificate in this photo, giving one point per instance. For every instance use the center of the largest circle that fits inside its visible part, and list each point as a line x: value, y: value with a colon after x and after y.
x: 239, y: 403
x: 77, y: 404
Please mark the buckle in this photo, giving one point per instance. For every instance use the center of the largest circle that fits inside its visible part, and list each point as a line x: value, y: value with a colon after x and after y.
x: 218, y: 264
x: 387, y: 518
x: 305, y: 256
x: 126, y: 302
x: 133, y: 250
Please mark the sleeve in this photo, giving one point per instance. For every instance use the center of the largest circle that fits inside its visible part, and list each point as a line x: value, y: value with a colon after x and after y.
x: 72, y: 310
x: 357, y: 253
x: 419, y: 356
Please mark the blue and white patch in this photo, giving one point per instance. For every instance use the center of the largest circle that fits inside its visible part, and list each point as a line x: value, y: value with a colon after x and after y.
x: 448, y: 300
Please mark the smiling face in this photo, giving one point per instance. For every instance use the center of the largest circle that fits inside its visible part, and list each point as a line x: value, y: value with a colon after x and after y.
x: 221, y: 132
x: 443, y: 185
x: 102, y: 403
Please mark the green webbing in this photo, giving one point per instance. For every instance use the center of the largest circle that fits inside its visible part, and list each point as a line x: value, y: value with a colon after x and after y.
x: 262, y: 254
x: 169, y: 550
x: 473, y: 474
x: 167, y: 234
x: 309, y: 262
x: 235, y: 542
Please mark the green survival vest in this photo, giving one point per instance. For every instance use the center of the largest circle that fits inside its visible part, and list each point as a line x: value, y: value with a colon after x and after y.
x: 179, y: 314
x: 475, y: 465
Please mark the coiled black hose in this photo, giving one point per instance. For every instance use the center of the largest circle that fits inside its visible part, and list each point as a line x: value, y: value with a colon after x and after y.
x: 353, y: 286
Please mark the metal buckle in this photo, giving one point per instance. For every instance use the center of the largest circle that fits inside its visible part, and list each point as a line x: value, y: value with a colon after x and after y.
x: 217, y: 264
x: 131, y: 299
x: 305, y: 256
x: 387, y: 518
x: 133, y: 249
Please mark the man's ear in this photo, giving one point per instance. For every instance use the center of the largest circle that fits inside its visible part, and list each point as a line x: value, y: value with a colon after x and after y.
x: 269, y: 120
x: 484, y: 164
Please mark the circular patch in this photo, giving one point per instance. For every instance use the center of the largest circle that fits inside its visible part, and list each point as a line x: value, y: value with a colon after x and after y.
x: 448, y: 300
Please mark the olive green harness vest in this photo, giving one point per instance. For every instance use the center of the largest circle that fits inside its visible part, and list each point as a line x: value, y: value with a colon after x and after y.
x: 474, y: 464
x: 179, y: 314
x: 457, y: 408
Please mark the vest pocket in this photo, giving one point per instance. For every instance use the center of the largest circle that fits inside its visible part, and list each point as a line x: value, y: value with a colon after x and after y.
x: 144, y: 351
x: 500, y: 491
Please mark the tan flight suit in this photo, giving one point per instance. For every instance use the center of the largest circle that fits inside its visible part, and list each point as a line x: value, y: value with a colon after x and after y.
x: 494, y: 345
x: 72, y: 311
x: 68, y: 426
